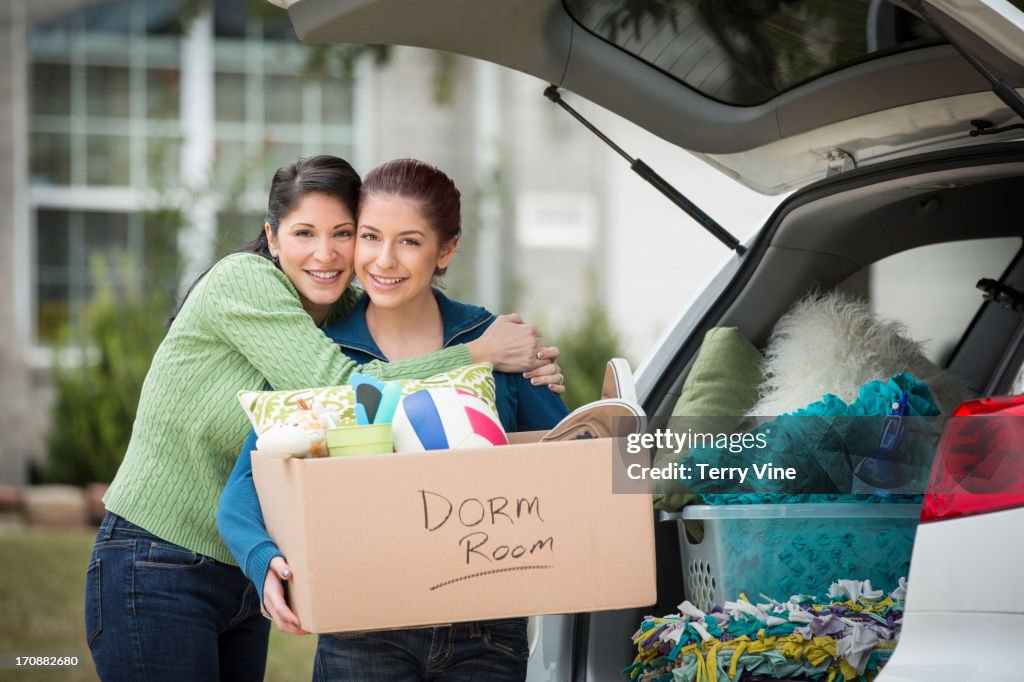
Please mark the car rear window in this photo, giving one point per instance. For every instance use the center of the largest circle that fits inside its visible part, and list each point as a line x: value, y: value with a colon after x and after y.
x: 746, y: 53
x: 933, y: 289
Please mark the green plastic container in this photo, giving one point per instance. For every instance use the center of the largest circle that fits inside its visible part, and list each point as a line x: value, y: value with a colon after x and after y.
x: 369, y: 439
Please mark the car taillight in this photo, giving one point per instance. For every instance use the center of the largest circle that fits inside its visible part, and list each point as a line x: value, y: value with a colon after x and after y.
x: 979, y: 464
x: 1003, y: 405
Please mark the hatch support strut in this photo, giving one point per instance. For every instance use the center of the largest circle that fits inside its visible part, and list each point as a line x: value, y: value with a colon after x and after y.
x: 658, y: 182
x: 1001, y: 88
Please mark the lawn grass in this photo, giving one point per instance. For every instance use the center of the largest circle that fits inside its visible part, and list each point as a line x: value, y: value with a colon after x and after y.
x: 42, y: 586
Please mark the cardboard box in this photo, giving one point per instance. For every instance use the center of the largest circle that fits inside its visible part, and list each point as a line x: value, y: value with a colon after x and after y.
x: 387, y: 541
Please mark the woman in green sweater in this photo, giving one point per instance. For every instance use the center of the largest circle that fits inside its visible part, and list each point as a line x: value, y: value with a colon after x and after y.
x: 164, y: 598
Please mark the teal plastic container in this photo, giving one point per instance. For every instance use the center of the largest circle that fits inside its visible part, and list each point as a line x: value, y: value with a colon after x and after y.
x: 779, y: 550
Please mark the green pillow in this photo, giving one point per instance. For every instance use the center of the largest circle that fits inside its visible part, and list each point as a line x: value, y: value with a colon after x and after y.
x: 722, y: 383
x: 267, y: 408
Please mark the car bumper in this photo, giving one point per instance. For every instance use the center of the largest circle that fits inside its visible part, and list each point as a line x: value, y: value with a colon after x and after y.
x: 957, y: 647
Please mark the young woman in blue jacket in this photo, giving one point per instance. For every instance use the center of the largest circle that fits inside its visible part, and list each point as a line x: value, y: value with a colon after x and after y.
x: 408, y: 232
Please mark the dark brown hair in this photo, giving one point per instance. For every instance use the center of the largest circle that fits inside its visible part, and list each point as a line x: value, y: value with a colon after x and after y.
x: 435, y: 193
x: 292, y: 182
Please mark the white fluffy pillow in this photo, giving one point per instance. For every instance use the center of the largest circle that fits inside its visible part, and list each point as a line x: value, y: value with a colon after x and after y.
x: 829, y: 343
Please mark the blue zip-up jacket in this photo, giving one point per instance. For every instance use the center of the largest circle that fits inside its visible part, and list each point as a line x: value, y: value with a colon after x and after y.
x: 521, y: 407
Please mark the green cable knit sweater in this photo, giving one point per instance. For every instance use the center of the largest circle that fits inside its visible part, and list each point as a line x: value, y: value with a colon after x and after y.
x: 242, y: 327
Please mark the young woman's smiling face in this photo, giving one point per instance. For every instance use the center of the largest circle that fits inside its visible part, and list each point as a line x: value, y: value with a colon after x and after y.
x: 397, y: 251
x: 314, y: 245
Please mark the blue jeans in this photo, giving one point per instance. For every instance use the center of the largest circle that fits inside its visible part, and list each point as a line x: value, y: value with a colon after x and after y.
x: 495, y: 651
x: 156, y: 611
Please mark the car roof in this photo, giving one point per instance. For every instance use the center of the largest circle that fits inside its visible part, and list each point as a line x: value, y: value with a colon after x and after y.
x: 754, y: 141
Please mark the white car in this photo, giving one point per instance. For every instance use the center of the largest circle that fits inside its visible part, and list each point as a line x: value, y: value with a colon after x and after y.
x: 962, y: 572
x: 898, y: 130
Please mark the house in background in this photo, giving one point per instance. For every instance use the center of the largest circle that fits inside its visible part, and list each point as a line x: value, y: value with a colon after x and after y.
x: 111, y: 109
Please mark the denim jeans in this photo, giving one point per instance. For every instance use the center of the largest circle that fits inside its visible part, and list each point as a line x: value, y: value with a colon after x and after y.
x: 495, y: 651
x: 156, y: 611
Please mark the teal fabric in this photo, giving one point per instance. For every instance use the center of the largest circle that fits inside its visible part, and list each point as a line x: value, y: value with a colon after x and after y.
x: 822, y: 442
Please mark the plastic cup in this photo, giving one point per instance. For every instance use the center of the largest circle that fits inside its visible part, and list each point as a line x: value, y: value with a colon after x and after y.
x: 368, y: 439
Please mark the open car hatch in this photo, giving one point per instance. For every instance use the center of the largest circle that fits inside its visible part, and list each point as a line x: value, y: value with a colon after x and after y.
x: 777, y: 95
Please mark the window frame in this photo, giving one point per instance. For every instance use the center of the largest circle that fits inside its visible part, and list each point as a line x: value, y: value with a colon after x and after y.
x: 78, y: 48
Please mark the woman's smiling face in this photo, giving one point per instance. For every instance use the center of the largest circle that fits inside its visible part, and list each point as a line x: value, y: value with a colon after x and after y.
x: 397, y: 251
x: 314, y: 245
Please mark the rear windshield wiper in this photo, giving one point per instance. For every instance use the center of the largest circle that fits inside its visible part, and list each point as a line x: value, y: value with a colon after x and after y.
x: 658, y: 182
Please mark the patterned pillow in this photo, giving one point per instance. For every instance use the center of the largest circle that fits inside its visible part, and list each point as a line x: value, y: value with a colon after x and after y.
x: 267, y: 408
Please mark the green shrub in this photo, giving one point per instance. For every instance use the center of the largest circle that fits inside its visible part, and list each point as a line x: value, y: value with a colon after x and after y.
x: 586, y: 347
x: 98, y: 393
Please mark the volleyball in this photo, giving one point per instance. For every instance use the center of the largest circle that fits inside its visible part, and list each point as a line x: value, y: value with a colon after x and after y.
x: 445, y: 418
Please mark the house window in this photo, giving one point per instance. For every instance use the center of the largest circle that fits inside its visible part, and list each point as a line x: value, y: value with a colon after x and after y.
x: 108, y: 101
x: 933, y: 289
x: 69, y: 245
